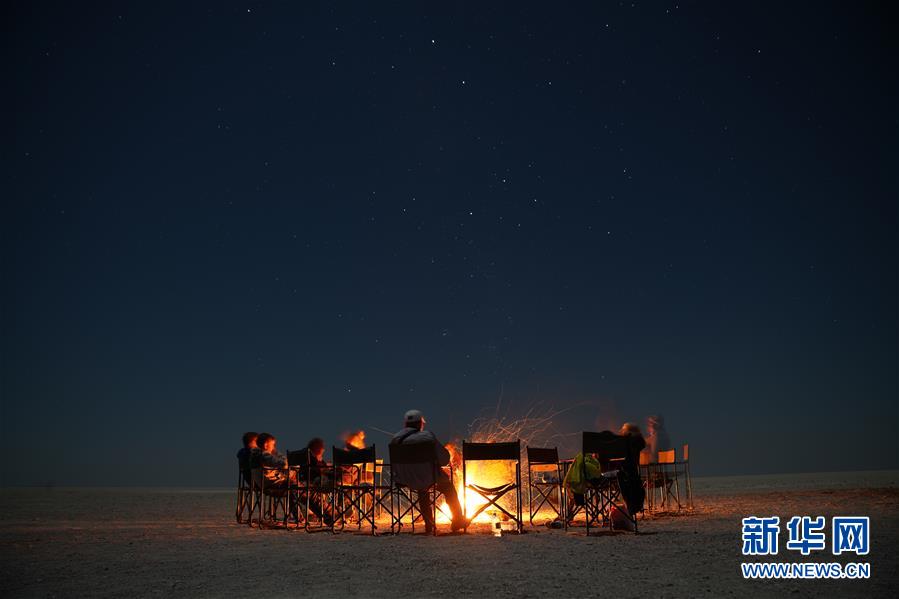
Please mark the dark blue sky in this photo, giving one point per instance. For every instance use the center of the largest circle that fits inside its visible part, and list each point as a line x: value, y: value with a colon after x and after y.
x: 305, y: 219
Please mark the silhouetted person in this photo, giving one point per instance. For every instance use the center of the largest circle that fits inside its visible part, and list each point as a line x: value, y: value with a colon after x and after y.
x: 278, y: 477
x: 318, y: 467
x: 629, y: 479
x: 420, y: 477
x: 656, y: 437
x: 318, y: 477
x: 246, y: 454
x: 272, y: 459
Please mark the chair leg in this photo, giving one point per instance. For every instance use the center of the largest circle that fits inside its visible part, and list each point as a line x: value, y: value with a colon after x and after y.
x: 530, y: 499
x: 689, y: 485
x: 677, y: 490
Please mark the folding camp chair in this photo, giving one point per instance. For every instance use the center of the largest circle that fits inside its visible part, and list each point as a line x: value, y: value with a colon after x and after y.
x: 254, y: 481
x: 543, y: 461
x: 244, y: 496
x: 407, y: 498
x: 309, y: 492
x: 667, y: 478
x: 688, y: 482
x: 647, y: 475
x: 269, y: 497
x: 306, y: 494
x: 508, y: 452
x: 352, y: 493
x: 615, y: 453
x: 375, y: 474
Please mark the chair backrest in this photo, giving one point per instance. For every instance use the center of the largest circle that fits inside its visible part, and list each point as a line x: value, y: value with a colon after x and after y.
x: 645, y: 458
x: 510, y: 450
x: 606, y: 445
x: 255, y: 459
x: 666, y: 456
x: 609, y: 447
x: 299, y: 457
x: 686, y: 454
x: 345, y: 457
x: 413, y: 453
x: 543, y: 455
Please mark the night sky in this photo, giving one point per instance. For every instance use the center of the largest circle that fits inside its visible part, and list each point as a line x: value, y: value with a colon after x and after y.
x: 307, y: 218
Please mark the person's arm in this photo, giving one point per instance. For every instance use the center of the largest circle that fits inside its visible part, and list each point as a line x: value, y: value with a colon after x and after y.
x: 441, y: 453
x: 273, y: 460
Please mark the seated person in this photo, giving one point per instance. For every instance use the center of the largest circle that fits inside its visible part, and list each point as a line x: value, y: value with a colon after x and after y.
x: 420, y: 477
x: 628, y: 471
x: 277, y: 475
x: 246, y: 454
x: 318, y: 477
x: 318, y: 467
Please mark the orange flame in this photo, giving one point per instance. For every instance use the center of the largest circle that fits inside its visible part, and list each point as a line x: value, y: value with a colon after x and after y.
x: 356, y: 440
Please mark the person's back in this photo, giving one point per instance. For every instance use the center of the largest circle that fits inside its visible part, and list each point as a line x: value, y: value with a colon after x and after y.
x: 421, y: 476
x: 629, y: 479
x: 270, y: 458
x: 418, y: 476
x: 246, y: 453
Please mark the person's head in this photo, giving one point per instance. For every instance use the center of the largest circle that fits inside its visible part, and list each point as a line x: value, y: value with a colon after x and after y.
x: 249, y: 440
x: 414, y: 419
x: 316, y: 447
x: 629, y: 429
x: 266, y: 442
x: 654, y: 423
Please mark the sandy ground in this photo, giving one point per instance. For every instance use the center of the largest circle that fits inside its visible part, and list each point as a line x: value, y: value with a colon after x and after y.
x: 164, y: 542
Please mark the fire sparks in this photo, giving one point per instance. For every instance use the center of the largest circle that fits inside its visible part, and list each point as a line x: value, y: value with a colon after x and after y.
x: 535, y: 428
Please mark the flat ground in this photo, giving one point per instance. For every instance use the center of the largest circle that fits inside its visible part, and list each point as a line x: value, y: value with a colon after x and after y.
x: 168, y: 542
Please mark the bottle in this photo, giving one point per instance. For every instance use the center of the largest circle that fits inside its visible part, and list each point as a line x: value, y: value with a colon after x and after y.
x: 496, y: 524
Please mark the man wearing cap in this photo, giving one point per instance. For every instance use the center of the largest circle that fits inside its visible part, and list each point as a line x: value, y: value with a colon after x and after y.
x: 421, y: 476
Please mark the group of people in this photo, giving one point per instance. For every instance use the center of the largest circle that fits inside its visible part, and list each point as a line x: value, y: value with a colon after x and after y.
x: 587, y: 469
x: 260, y: 449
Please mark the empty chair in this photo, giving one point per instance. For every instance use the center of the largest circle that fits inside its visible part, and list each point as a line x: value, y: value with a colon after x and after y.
x: 667, y: 479
x: 507, y: 452
x: 545, y: 482
x: 646, y: 474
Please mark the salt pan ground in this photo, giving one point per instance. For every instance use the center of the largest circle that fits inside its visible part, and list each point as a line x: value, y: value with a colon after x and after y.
x: 184, y: 543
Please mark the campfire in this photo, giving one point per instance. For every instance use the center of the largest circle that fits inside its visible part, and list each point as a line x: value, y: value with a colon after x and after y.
x: 356, y: 439
x: 535, y: 429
